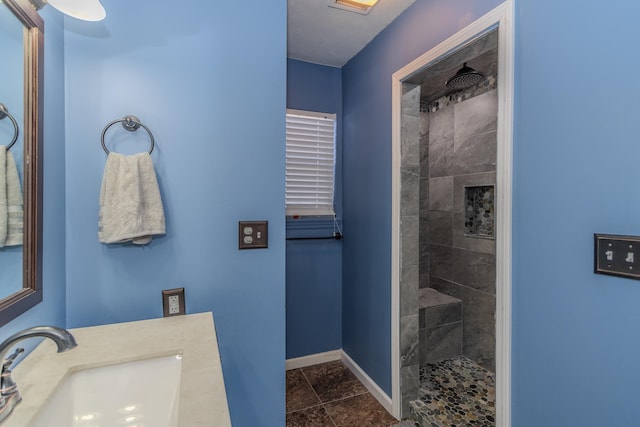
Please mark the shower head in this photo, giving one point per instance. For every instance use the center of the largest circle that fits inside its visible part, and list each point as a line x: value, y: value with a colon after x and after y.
x: 465, y: 77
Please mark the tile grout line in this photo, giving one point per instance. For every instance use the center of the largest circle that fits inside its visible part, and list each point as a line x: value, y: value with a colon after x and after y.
x: 318, y: 397
x: 314, y: 392
x: 326, y: 404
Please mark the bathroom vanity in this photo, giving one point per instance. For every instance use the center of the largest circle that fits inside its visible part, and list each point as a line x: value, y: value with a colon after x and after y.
x: 118, y: 353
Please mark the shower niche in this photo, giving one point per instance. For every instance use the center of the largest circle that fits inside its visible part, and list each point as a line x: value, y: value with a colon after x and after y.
x: 479, y: 211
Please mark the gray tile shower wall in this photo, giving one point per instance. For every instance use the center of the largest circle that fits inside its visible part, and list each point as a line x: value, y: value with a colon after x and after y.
x: 457, y: 150
x: 409, y: 244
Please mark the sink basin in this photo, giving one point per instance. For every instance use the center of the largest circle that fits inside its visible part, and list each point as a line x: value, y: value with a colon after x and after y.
x: 141, y: 393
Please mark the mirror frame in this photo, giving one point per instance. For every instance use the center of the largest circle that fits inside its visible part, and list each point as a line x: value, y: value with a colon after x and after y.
x: 31, y: 292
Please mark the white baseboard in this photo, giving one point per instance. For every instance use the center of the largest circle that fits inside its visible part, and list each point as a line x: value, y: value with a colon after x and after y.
x: 313, y: 359
x: 365, y: 379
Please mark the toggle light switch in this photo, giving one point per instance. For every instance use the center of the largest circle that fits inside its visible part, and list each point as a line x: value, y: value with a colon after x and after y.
x: 616, y: 255
x: 609, y: 255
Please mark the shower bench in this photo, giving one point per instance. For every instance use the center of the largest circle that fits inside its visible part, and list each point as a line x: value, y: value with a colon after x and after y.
x: 439, y: 327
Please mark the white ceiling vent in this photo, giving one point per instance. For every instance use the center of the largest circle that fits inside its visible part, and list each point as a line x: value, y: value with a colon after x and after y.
x: 362, y: 7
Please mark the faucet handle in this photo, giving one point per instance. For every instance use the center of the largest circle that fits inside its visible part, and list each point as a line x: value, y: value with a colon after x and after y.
x: 7, y: 386
x: 12, y: 357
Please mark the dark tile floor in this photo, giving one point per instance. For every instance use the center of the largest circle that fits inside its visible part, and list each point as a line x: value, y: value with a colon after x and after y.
x: 330, y: 395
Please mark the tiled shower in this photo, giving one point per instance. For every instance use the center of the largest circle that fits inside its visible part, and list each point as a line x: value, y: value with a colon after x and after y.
x: 456, y: 240
x: 447, y: 231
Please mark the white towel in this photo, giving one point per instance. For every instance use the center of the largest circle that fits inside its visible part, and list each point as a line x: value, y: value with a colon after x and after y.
x: 130, y: 203
x: 11, y: 204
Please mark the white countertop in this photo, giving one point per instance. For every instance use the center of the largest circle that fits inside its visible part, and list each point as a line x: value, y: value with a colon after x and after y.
x: 203, y: 399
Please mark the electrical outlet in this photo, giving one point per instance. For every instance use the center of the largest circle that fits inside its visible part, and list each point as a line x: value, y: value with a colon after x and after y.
x: 173, y: 302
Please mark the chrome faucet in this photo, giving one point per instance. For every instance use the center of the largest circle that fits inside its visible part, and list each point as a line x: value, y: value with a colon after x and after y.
x: 9, y: 394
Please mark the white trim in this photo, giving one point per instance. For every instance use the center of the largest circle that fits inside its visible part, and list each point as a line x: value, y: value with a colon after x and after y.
x: 365, y: 379
x: 502, y: 17
x: 318, y: 114
x: 313, y: 359
x: 396, y: 157
x: 504, y: 176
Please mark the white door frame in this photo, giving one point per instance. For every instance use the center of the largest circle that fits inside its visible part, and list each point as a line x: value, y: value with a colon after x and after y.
x: 502, y: 18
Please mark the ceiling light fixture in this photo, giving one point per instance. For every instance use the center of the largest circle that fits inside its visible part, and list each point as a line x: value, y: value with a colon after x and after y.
x: 359, y: 6
x: 86, y: 10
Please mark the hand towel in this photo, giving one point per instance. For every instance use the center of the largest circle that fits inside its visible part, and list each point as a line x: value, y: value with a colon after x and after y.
x: 11, y: 203
x: 130, y: 202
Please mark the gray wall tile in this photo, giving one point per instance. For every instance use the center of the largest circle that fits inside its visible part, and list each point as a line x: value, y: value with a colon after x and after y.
x: 409, y: 290
x: 423, y: 259
x: 441, y: 342
x: 441, y: 262
x: 409, y: 386
x: 441, y: 158
x: 476, y: 115
x: 441, y: 315
x: 409, y: 191
x: 410, y: 141
x: 424, y: 155
x: 440, y: 227
x: 409, y: 340
x: 409, y: 254
x: 475, y: 269
x: 441, y: 194
x: 424, y: 280
x: 424, y: 226
x: 424, y: 124
x: 441, y: 125
x: 410, y: 99
x: 424, y: 194
x: 474, y: 154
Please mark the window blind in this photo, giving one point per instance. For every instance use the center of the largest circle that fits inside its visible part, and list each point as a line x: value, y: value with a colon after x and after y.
x: 310, y: 163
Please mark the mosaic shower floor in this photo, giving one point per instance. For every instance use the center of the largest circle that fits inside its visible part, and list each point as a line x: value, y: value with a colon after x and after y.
x: 455, y: 393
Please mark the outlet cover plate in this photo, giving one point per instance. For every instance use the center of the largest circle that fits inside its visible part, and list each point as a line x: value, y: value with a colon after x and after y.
x: 173, y: 302
x: 253, y: 234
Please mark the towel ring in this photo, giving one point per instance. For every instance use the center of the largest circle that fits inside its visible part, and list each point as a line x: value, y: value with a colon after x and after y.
x: 5, y: 113
x: 130, y: 123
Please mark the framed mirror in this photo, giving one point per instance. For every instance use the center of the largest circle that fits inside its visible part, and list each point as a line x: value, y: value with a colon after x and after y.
x: 23, y: 43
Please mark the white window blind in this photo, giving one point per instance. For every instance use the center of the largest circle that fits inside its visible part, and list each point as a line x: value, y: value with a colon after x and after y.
x: 310, y: 163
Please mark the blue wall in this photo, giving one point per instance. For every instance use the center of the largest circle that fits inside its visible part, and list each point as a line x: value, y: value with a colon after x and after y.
x: 576, y: 156
x: 574, y: 346
x: 52, y: 310
x: 209, y: 81
x: 314, y: 267
x: 366, y: 321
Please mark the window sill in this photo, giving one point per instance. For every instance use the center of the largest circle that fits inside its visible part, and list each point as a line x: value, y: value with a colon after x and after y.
x: 312, y: 227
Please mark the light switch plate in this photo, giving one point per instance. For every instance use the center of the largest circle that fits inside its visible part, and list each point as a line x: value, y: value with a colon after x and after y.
x: 173, y: 302
x: 253, y: 234
x: 617, y: 255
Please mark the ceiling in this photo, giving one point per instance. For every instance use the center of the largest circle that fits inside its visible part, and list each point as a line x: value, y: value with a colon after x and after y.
x: 480, y: 54
x: 328, y: 36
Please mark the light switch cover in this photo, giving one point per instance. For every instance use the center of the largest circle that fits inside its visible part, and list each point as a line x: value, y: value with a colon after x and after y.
x: 253, y: 234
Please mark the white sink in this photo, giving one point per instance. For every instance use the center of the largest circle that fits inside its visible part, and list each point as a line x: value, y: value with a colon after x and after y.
x: 142, y: 393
